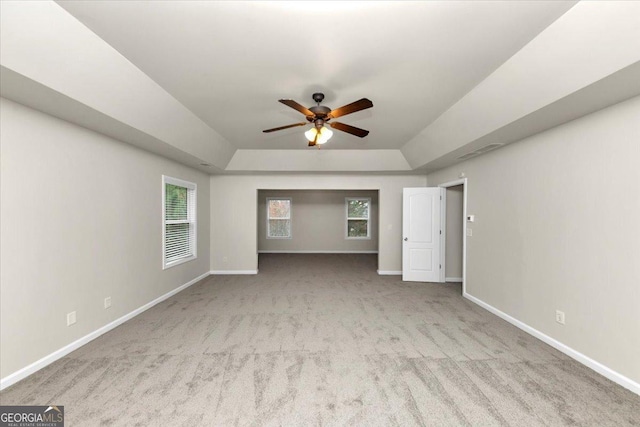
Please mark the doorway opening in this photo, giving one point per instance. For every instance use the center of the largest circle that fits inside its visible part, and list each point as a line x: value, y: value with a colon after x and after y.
x: 297, y: 224
x: 454, y: 233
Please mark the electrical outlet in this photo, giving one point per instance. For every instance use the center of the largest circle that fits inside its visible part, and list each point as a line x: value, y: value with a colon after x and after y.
x: 71, y: 318
x: 225, y: 259
x: 469, y: 231
x: 107, y: 302
x: 560, y: 317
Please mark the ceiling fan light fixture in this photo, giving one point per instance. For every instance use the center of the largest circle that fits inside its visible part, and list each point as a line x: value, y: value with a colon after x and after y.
x: 323, y: 135
x: 311, y: 134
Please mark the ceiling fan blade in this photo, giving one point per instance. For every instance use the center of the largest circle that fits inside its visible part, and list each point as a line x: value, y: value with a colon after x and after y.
x: 349, y: 129
x: 284, y: 127
x: 293, y: 104
x: 361, y: 104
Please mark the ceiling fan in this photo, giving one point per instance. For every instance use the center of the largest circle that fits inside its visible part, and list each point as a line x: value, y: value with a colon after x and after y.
x: 320, y: 115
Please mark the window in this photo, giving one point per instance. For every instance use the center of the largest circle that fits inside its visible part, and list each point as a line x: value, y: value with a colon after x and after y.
x: 358, y: 218
x: 178, y: 221
x: 278, y: 218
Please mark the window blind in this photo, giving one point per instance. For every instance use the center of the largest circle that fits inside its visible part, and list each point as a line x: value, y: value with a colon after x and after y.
x: 179, y: 221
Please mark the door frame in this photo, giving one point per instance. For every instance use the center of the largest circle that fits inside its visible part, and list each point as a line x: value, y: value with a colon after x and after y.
x: 465, y: 189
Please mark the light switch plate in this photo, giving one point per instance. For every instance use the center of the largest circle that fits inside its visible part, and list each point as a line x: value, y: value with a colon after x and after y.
x: 71, y: 318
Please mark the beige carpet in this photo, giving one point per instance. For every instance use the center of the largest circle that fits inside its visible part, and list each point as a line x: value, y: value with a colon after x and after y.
x: 323, y: 340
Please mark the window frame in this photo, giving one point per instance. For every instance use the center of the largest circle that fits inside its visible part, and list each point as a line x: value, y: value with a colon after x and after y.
x: 290, y: 218
x: 368, y: 218
x: 192, y: 219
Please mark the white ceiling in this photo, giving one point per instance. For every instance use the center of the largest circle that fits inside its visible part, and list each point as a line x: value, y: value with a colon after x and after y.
x: 229, y: 62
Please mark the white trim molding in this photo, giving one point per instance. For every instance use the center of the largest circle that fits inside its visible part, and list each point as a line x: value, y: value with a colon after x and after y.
x: 603, y: 370
x: 317, y: 252
x: 232, y: 272
x: 390, y: 272
x: 453, y: 279
x: 58, y: 354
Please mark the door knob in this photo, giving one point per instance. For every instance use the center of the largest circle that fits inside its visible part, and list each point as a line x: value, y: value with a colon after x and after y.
x: 406, y: 239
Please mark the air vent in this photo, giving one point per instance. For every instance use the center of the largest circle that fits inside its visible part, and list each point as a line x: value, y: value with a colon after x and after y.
x: 480, y: 151
x: 488, y: 148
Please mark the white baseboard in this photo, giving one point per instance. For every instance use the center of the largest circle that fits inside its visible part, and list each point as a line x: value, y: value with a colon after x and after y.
x: 58, y: 354
x: 609, y: 373
x: 389, y: 273
x: 230, y: 272
x: 453, y: 279
x: 317, y: 252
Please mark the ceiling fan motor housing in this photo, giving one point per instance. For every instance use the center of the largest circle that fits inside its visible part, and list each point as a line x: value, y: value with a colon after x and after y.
x: 319, y: 112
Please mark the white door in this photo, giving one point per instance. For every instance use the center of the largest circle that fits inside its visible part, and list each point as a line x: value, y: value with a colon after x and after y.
x: 421, y: 234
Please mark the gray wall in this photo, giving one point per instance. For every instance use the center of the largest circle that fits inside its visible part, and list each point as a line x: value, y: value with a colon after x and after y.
x: 318, y: 222
x: 81, y: 220
x: 453, y: 256
x: 557, y: 228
